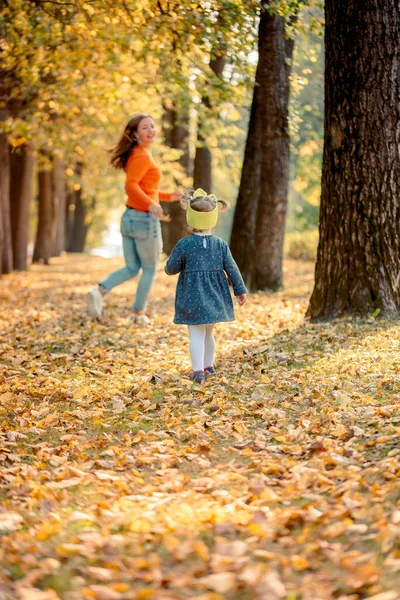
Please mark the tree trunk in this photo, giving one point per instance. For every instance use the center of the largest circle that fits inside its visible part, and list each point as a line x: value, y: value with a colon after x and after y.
x: 21, y: 192
x: 244, y: 220
x: 259, y: 221
x: 78, y: 226
x: 202, y: 173
x: 358, y: 261
x: 69, y: 216
x: 60, y: 201
x: 45, y: 231
x: 5, y: 181
x: 176, y: 136
x: 6, y: 262
x: 275, y: 158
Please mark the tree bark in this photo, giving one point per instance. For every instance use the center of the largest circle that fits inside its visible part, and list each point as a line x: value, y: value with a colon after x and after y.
x: 78, y: 227
x: 244, y: 221
x: 60, y: 201
x: 202, y: 173
x: 45, y: 231
x: 76, y: 213
x: 358, y: 261
x: 275, y: 157
x: 259, y: 220
x: 21, y: 192
x: 6, y: 262
x: 176, y: 134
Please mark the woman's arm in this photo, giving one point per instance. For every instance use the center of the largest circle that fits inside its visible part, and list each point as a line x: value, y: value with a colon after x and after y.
x: 169, y: 196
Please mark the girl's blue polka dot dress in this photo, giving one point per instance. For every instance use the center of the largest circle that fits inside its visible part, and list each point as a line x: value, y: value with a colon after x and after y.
x: 204, y: 264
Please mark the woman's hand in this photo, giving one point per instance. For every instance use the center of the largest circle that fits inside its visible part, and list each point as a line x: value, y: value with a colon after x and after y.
x: 176, y: 195
x: 156, y: 210
x: 241, y: 299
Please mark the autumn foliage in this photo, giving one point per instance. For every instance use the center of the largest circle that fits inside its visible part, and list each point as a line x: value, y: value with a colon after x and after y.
x: 120, y: 479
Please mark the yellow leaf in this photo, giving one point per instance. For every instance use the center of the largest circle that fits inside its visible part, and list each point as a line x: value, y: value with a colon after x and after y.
x: 299, y: 563
x: 46, y: 530
x: 144, y: 594
x: 121, y: 587
x: 201, y: 550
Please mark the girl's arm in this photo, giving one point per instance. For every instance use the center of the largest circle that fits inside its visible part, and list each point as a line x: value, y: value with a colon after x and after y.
x: 176, y: 261
x: 232, y: 270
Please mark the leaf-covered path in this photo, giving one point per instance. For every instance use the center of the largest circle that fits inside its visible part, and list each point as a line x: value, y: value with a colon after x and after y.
x: 119, y: 479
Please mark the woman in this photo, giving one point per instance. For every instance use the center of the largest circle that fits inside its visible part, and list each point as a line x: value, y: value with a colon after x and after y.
x: 140, y: 223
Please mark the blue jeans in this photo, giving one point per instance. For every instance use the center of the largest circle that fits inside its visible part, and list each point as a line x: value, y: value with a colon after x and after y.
x: 142, y: 245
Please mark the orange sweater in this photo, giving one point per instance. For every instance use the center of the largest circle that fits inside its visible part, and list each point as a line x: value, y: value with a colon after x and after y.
x: 142, y: 180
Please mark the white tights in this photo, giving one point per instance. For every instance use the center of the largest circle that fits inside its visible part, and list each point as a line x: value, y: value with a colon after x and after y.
x: 202, y: 346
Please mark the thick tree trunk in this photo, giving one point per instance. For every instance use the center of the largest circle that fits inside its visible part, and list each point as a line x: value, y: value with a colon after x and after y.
x: 45, y: 231
x: 6, y: 262
x: 358, y: 262
x: 60, y: 200
x: 176, y: 133
x: 21, y: 192
x: 259, y: 221
x: 202, y: 173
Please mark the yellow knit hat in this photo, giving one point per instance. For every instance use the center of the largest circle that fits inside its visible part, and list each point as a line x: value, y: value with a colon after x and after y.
x: 201, y: 220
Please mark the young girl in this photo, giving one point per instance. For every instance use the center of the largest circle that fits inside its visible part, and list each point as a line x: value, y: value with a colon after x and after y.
x: 204, y: 264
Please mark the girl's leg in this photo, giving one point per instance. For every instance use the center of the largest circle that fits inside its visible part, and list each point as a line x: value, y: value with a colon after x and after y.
x: 149, y: 251
x: 197, y: 334
x: 131, y: 269
x: 209, y: 345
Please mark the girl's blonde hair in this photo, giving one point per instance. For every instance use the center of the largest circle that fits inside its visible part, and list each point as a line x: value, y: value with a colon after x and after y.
x: 202, y: 204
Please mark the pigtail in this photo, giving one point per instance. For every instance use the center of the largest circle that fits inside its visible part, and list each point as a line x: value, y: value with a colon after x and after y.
x: 224, y: 205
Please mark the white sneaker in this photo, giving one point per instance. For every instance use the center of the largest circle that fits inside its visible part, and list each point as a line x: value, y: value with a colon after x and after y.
x: 139, y: 319
x: 95, y: 303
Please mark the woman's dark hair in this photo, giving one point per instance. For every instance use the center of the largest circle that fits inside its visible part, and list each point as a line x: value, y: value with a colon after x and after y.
x: 122, y: 149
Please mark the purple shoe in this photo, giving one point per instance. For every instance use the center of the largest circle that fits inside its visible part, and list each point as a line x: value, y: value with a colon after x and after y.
x: 209, y: 371
x: 197, y: 376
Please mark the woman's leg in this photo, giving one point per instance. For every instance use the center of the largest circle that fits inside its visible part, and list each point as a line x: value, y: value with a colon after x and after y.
x: 197, y: 335
x: 131, y: 269
x: 209, y: 345
x: 132, y: 265
x: 149, y: 251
